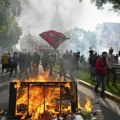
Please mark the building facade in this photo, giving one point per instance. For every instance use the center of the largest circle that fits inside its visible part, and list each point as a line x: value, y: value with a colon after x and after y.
x: 108, y: 35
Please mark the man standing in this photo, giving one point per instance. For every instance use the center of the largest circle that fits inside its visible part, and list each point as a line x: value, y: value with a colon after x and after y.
x: 111, y: 69
x: 101, y: 73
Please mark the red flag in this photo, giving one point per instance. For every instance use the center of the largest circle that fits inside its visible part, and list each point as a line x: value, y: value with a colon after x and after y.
x: 53, y: 38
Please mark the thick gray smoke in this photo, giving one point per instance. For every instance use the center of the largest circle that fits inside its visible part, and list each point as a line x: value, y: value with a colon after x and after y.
x: 37, y: 15
x: 40, y: 15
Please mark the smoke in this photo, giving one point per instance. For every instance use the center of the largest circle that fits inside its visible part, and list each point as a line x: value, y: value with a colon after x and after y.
x: 37, y: 15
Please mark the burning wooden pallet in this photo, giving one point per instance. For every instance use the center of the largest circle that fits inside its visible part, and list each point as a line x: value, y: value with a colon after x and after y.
x: 34, y: 99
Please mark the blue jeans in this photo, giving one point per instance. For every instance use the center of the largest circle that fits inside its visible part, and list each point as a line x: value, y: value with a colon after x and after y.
x: 101, y: 78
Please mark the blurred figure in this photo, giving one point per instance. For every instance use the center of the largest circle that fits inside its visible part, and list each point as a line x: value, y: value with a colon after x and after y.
x: 5, y: 61
x: 29, y: 60
x: 77, y: 58
x: 14, y: 63
x: 44, y: 61
x: 72, y: 66
x: 35, y: 62
x: 82, y: 59
x: 111, y: 68
x: 94, y: 57
x: 51, y: 63
x: 101, y: 73
x: 22, y: 64
x: 62, y: 68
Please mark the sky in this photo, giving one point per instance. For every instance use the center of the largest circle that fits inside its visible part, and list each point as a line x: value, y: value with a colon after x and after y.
x: 36, y: 15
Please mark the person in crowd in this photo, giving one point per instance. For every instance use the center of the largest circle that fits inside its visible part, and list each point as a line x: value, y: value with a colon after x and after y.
x: 77, y: 58
x: 36, y: 61
x: 29, y: 60
x: 22, y: 64
x: 72, y: 66
x: 66, y: 54
x: 82, y: 59
x: 92, y: 64
x: 44, y: 61
x: 51, y: 63
x: 62, y: 71
x: 5, y: 61
x: 101, y: 73
x: 111, y: 68
x: 94, y: 57
x: 14, y: 63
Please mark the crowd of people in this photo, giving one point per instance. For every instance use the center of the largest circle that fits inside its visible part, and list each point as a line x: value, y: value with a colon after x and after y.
x: 24, y: 62
x: 69, y: 64
x: 101, y: 66
x: 27, y: 64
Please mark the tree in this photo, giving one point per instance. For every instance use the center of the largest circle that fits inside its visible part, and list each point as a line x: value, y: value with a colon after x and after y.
x: 100, y: 3
x: 82, y: 39
x: 9, y: 29
x: 15, y: 7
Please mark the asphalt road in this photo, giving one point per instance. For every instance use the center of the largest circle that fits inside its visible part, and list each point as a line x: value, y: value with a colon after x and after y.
x: 110, y: 110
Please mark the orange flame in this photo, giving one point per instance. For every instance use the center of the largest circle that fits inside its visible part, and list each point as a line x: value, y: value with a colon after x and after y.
x: 79, y: 105
x: 43, y: 98
x: 88, y: 105
x: 18, y: 83
x: 40, y: 98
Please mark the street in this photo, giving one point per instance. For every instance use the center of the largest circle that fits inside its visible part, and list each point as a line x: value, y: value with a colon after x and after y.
x: 110, y: 110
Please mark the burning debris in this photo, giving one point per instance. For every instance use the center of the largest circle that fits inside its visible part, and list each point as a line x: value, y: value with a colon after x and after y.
x: 40, y: 99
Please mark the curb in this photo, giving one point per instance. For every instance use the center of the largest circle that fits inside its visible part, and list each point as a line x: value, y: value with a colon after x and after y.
x: 108, y: 94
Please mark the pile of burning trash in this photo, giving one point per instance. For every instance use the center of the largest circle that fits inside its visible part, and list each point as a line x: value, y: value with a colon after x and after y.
x: 40, y: 99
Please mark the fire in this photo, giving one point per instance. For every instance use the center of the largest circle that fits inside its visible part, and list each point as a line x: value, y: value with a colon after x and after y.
x: 17, y: 86
x: 36, y: 99
x: 79, y: 105
x: 39, y: 96
x: 88, y: 105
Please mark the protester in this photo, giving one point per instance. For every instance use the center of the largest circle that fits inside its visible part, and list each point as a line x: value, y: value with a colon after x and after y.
x: 51, y: 63
x: 101, y: 73
x: 44, y: 61
x: 62, y: 71
x: 29, y: 60
x: 111, y: 68
x: 92, y: 60
x: 36, y: 61
x: 5, y: 61
x: 14, y: 63
x: 22, y: 64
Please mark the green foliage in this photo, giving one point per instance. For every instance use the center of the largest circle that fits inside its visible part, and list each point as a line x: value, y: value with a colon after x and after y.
x: 100, y: 4
x: 5, y: 3
x: 86, y: 114
x: 9, y: 29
